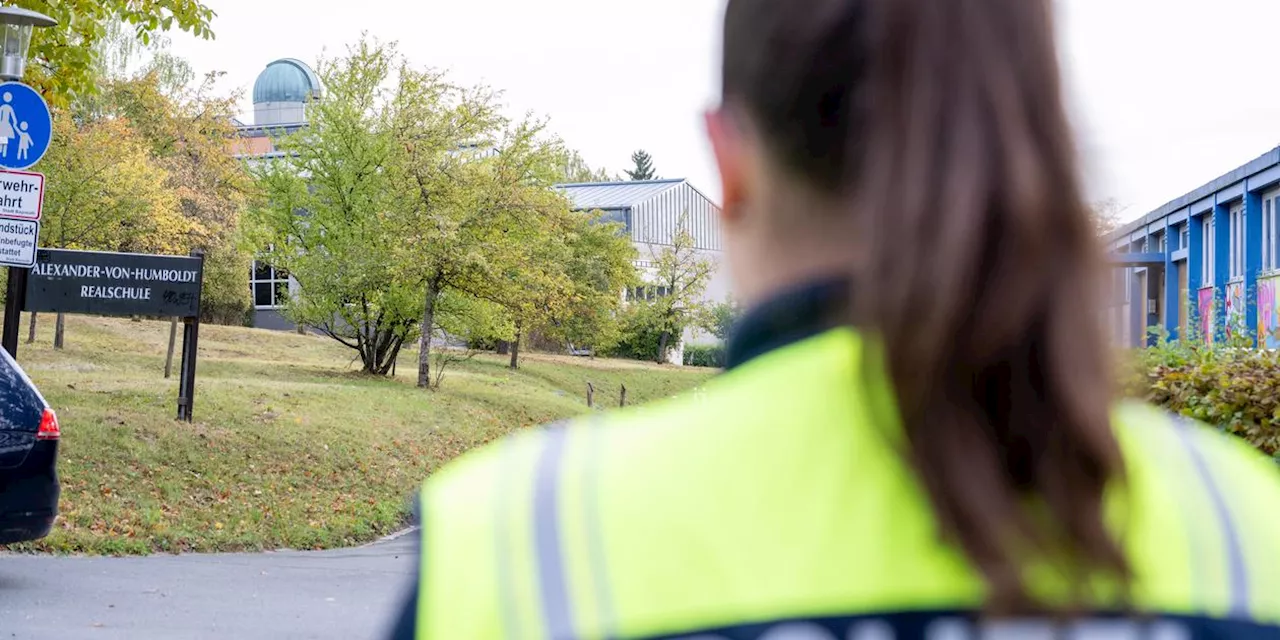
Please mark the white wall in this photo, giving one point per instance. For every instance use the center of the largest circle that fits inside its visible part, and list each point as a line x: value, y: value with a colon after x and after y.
x: 269, y: 113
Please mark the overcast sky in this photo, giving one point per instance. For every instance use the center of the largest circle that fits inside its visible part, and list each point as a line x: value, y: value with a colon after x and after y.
x: 1167, y: 94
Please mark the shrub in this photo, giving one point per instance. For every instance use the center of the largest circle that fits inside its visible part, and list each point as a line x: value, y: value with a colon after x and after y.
x: 1237, y: 390
x: 639, y: 335
x: 696, y: 355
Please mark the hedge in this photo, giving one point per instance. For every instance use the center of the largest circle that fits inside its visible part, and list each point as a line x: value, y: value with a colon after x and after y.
x: 704, y: 355
x: 1237, y: 390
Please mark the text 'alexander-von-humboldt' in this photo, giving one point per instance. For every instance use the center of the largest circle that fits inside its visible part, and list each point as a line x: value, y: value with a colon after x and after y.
x: 114, y: 273
x: 118, y: 291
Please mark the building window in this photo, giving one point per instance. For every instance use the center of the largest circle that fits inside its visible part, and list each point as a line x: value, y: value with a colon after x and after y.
x: 270, y: 286
x: 649, y: 293
x: 1206, y: 252
x: 1268, y: 249
x: 1184, y: 241
x: 1236, y: 254
x: 1271, y: 231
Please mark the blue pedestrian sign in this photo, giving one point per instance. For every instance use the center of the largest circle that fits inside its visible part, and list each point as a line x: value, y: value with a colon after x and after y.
x: 25, y: 126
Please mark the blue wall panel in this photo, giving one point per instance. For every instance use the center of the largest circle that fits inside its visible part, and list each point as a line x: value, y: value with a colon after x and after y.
x: 1171, y: 293
x: 1252, y: 259
x: 1195, y: 264
x: 1221, y: 264
x: 1195, y: 256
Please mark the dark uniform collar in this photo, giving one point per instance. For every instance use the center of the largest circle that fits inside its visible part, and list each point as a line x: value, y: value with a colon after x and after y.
x: 789, y: 316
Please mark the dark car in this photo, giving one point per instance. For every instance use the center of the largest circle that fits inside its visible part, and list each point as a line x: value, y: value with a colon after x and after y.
x: 29, y: 436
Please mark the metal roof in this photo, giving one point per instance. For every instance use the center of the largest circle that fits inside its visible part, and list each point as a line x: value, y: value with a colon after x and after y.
x: 615, y: 195
x: 1239, y: 174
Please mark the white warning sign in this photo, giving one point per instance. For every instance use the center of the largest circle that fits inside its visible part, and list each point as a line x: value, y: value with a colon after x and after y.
x: 18, y: 240
x: 21, y: 194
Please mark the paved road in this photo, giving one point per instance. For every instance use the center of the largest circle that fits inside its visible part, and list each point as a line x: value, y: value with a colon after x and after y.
x: 349, y: 594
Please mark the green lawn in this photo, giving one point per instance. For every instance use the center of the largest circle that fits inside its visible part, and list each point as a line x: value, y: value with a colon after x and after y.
x: 291, y: 447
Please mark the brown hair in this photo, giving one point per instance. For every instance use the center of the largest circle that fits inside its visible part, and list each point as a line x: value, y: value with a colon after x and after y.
x: 940, y: 124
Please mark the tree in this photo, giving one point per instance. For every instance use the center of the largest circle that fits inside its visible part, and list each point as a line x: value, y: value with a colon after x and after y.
x: 681, y: 276
x: 64, y: 58
x: 600, y: 264
x: 575, y: 169
x: 479, y: 212
x: 445, y: 137
x: 472, y: 321
x: 643, y: 166
x: 1106, y: 214
x: 105, y: 193
x: 325, y: 212
x: 552, y: 270
x: 187, y: 128
x: 721, y: 318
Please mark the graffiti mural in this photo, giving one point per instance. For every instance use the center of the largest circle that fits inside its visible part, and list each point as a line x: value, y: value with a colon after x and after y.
x: 1268, y: 314
x: 1235, y: 309
x: 1204, y: 307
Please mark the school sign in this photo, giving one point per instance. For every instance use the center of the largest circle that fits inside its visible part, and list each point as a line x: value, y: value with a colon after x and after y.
x: 119, y: 284
x: 124, y: 284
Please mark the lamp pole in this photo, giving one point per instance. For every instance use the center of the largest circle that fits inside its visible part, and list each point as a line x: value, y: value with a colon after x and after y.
x: 16, y: 26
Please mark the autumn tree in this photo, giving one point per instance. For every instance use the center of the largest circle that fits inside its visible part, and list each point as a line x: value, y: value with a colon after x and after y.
x: 532, y: 238
x: 65, y: 58
x: 643, y: 169
x: 325, y: 212
x: 187, y: 126
x: 599, y: 264
x: 105, y: 193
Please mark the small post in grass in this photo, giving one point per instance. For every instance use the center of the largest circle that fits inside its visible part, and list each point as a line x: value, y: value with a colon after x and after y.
x: 591, y: 396
x: 622, y: 397
x: 173, y: 336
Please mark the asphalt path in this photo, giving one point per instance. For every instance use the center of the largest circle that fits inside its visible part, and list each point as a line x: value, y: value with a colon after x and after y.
x: 348, y: 594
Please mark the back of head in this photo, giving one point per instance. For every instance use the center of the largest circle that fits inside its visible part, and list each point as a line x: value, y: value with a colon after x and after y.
x: 936, y: 131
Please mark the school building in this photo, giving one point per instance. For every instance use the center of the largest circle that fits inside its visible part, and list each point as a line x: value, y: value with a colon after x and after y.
x: 650, y: 212
x: 1206, y: 264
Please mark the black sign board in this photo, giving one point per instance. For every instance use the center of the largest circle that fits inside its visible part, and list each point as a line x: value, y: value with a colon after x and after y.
x: 115, y: 284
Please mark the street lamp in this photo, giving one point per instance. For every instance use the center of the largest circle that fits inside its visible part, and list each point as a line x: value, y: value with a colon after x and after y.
x: 15, y: 39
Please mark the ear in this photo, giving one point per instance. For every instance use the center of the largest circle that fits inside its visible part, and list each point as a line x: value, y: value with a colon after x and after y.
x: 727, y: 145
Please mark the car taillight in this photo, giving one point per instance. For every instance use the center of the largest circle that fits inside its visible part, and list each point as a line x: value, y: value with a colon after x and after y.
x: 48, y: 426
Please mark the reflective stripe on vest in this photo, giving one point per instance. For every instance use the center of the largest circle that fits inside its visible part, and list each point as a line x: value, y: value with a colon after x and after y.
x: 557, y: 613
x: 503, y: 509
x: 1237, y: 579
x: 556, y: 608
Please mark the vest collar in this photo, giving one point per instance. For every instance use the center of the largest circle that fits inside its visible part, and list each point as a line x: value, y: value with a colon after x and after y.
x: 788, y: 317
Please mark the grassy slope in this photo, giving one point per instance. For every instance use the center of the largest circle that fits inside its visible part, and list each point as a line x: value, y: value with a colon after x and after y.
x: 290, y: 447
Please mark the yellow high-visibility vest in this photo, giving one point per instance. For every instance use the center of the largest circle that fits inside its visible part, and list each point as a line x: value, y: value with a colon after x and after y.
x: 769, y: 505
